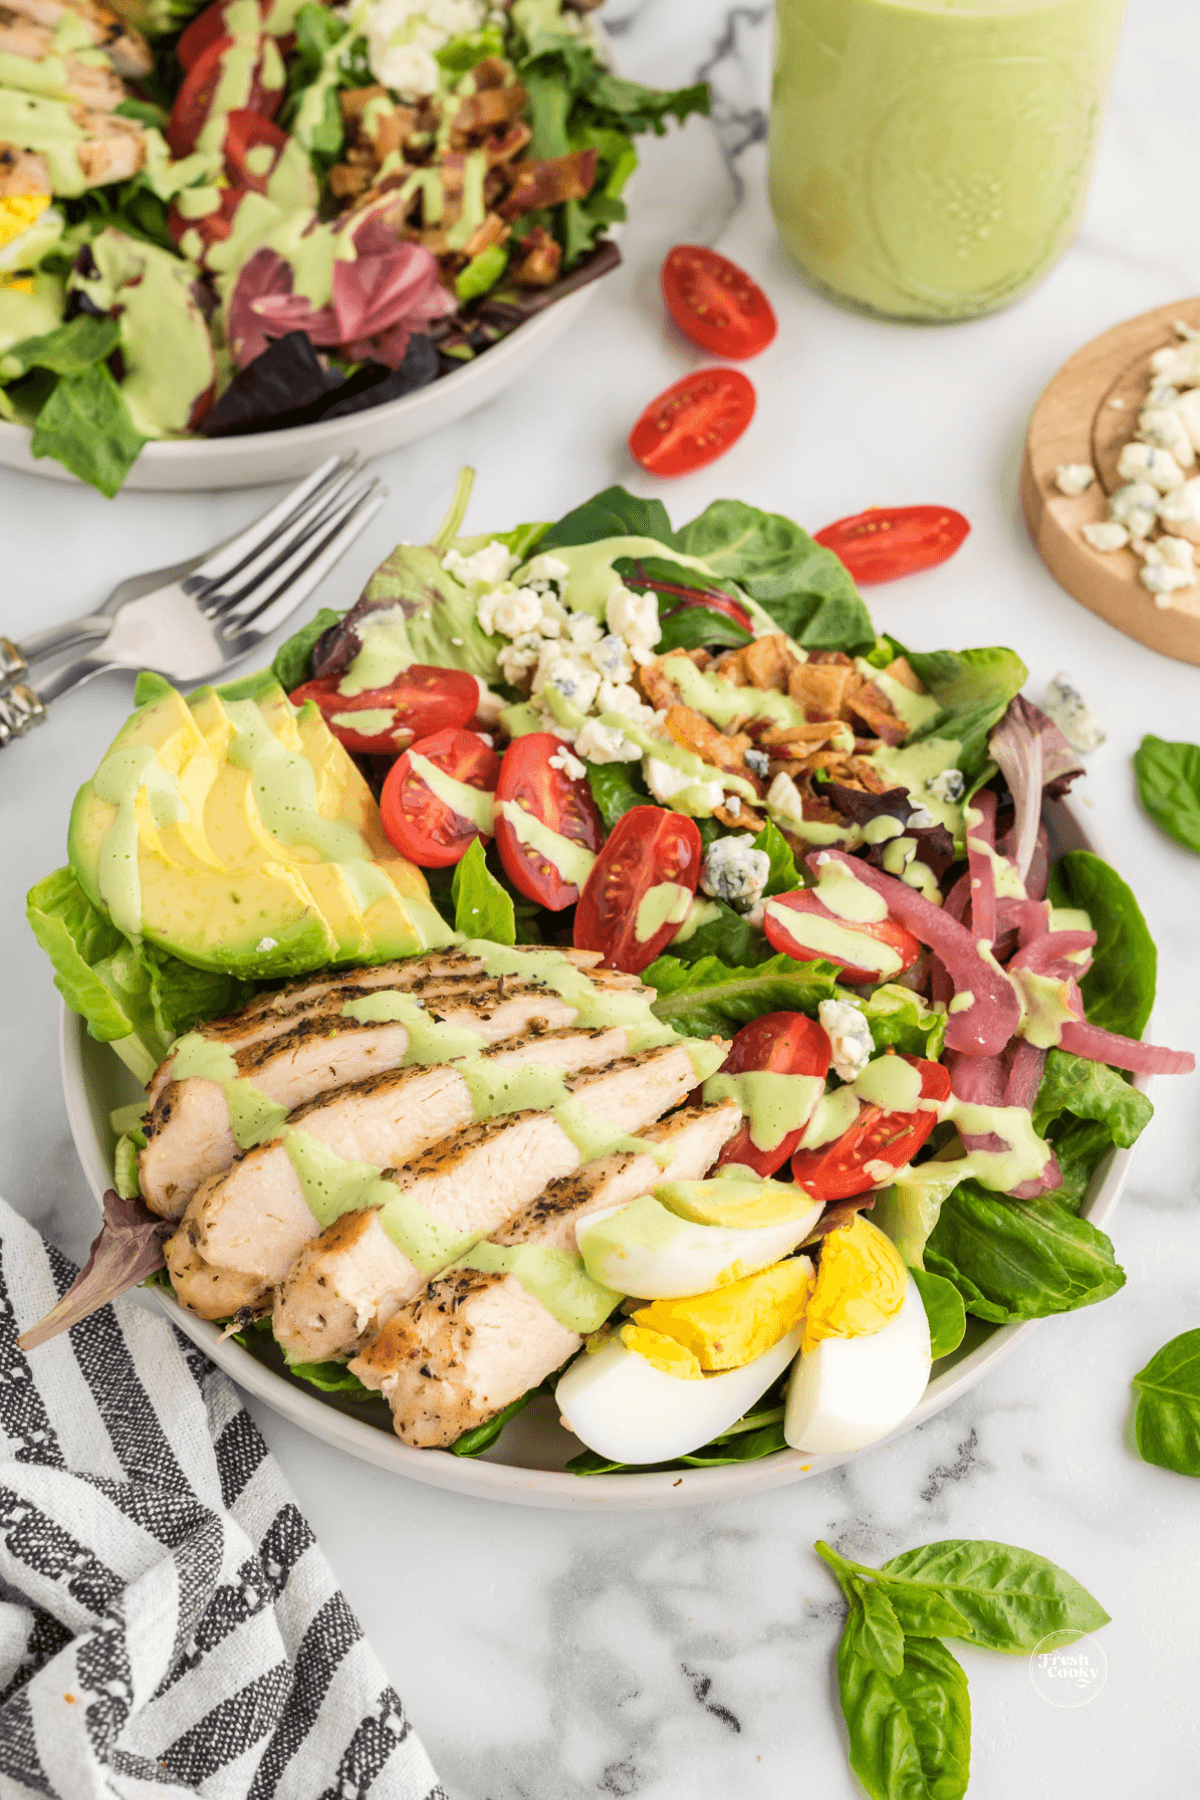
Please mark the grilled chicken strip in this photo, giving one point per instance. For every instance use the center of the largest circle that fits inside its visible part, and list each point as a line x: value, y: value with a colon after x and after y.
x: 21, y: 173
x: 345, y: 1283
x: 474, y: 1342
x: 96, y: 87
x: 271, y: 1015
x: 189, y: 1136
x: 125, y: 47
x: 255, y: 1220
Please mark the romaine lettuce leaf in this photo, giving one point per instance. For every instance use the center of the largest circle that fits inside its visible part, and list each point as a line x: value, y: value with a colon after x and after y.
x: 1020, y: 1259
x: 702, y: 998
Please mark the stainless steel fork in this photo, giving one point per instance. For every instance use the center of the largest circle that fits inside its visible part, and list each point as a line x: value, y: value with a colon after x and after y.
x: 192, y: 621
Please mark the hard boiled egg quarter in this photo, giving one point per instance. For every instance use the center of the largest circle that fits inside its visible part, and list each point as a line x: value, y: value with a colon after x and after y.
x: 865, y: 1357
x: 626, y: 1409
x: 648, y: 1250
x: 645, y: 1396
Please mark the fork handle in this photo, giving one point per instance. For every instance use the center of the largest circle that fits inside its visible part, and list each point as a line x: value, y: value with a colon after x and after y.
x: 16, y: 658
x: 22, y: 707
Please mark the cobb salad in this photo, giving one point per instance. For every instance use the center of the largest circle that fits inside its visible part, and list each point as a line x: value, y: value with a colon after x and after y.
x: 599, y: 964
x: 279, y: 211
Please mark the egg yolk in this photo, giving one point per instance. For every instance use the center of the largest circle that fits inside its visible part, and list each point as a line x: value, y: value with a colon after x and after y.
x: 730, y: 1326
x: 18, y: 212
x: 861, y: 1283
x: 663, y: 1352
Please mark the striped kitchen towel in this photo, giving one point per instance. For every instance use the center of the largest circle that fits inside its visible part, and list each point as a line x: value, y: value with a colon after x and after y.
x: 168, y: 1625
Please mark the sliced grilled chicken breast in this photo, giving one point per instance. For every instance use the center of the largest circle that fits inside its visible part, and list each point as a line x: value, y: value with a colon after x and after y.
x: 124, y: 46
x: 468, y: 1184
x: 255, y: 1220
x: 189, y: 1136
x: 272, y: 1015
x: 99, y: 88
x: 472, y: 1342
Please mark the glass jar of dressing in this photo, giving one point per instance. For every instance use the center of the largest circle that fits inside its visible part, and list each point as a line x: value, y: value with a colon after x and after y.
x: 930, y: 159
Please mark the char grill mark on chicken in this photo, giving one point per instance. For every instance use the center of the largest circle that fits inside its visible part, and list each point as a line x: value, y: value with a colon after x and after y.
x: 473, y: 1342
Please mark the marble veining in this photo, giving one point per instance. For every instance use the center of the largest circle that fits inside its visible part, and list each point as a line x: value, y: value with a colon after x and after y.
x: 689, y: 1655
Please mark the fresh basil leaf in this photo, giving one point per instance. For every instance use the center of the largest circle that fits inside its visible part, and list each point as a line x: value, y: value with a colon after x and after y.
x: 1020, y: 1259
x: 482, y: 908
x: 331, y: 1378
x: 66, y: 350
x: 292, y: 666
x: 482, y: 1437
x: 613, y: 513
x: 910, y: 1733
x: 85, y: 426
x: 944, y: 1309
x: 973, y: 688
x: 616, y: 789
x: 1166, y: 1422
x: 1008, y: 1598
x: 1168, y: 779
x: 784, y: 877
x: 727, y: 936
x: 804, y: 588
x: 1090, y: 1090
x: 707, y: 997
x: 900, y: 1018
x: 1118, y: 989
x: 873, y: 1628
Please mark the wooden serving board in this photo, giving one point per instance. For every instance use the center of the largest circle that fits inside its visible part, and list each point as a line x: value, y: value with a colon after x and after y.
x: 1076, y: 421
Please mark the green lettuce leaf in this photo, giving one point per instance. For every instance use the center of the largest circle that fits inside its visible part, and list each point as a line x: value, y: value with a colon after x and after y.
x: 899, y: 1017
x: 1118, y: 989
x: 441, y: 624
x: 331, y: 1378
x: 805, y: 589
x: 85, y: 425
x: 702, y: 998
x: 616, y: 789
x: 973, y: 688
x: 65, y: 351
x: 727, y: 936
x: 613, y: 513
x: 785, y: 876
x: 482, y: 907
x: 1020, y: 1259
x: 944, y: 1309
x: 293, y: 659
x: 1090, y: 1090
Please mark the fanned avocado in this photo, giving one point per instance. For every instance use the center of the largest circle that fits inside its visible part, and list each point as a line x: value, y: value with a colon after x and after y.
x: 239, y: 835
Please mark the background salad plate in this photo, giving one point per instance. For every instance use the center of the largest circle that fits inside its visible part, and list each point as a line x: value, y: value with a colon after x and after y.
x: 526, y: 1465
x: 186, y: 464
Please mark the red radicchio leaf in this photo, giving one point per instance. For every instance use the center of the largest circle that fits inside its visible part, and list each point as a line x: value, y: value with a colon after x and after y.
x: 984, y: 1027
x: 1031, y: 753
x: 128, y: 1248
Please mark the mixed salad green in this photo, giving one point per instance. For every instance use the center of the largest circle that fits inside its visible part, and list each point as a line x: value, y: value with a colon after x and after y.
x: 286, y: 212
x: 686, y: 752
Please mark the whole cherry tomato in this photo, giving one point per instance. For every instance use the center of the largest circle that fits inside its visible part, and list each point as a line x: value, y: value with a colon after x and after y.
x: 693, y: 422
x: 425, y: 825
x: 884, y: 931
x: 785, y: 1043
x: 889, y: 541
x: 715, y: 303
x: 534, y: 779
x: 640, y: 888
x: 839, y: 1170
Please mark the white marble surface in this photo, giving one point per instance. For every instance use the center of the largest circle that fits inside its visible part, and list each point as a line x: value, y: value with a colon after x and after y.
x: 688, y: 1656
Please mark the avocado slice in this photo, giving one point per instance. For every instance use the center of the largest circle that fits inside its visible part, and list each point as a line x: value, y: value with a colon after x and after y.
x: 240, y: 836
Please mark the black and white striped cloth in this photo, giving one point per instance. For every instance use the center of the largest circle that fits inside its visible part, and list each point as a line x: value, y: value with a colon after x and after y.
x: 168, y: 1625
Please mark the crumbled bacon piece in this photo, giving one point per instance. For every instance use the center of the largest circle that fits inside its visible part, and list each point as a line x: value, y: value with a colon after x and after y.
x: 538, y: 262
x: 548, y: 182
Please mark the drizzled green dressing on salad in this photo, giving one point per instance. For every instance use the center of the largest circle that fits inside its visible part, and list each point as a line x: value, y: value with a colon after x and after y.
x: 555, y: 1277
x: 774, y: 1104
x: 468, y: 802
x: 573, y: 861
x: 429, y: 1040
x: 667, y: 903
x: 118, y: 782
x: 332, y: 1187
x: 825, y: 938
x: 253, y: 1117
x: 840, y: 890
x: 914, y: 766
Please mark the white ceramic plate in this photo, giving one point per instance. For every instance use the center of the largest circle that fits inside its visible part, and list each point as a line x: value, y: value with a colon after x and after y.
x: 527, y: 1465
x: 268, y: 456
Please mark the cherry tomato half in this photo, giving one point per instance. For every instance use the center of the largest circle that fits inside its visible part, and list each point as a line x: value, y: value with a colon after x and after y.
x: 532, y: 777
x: 194, y: 101
x: 248, y: 132
x: 884, y: 931
x: 886, y: 542
x: 787, y: 1043
x: 423, y: 825
x: 204, y: 30
x: 422, y: 700
x: 693, y: 422
x: 715, y: 303
x: 640, y: 888
x: 839, y: 1170
x: 211, y: 227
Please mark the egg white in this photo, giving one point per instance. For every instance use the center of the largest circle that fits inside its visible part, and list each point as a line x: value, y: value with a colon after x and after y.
x: 846, y: 1393
x: 623, y: 1408
x: 694, y: 1259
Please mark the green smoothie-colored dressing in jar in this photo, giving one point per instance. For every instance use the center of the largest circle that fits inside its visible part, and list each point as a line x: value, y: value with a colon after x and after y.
x: 930, y: 159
